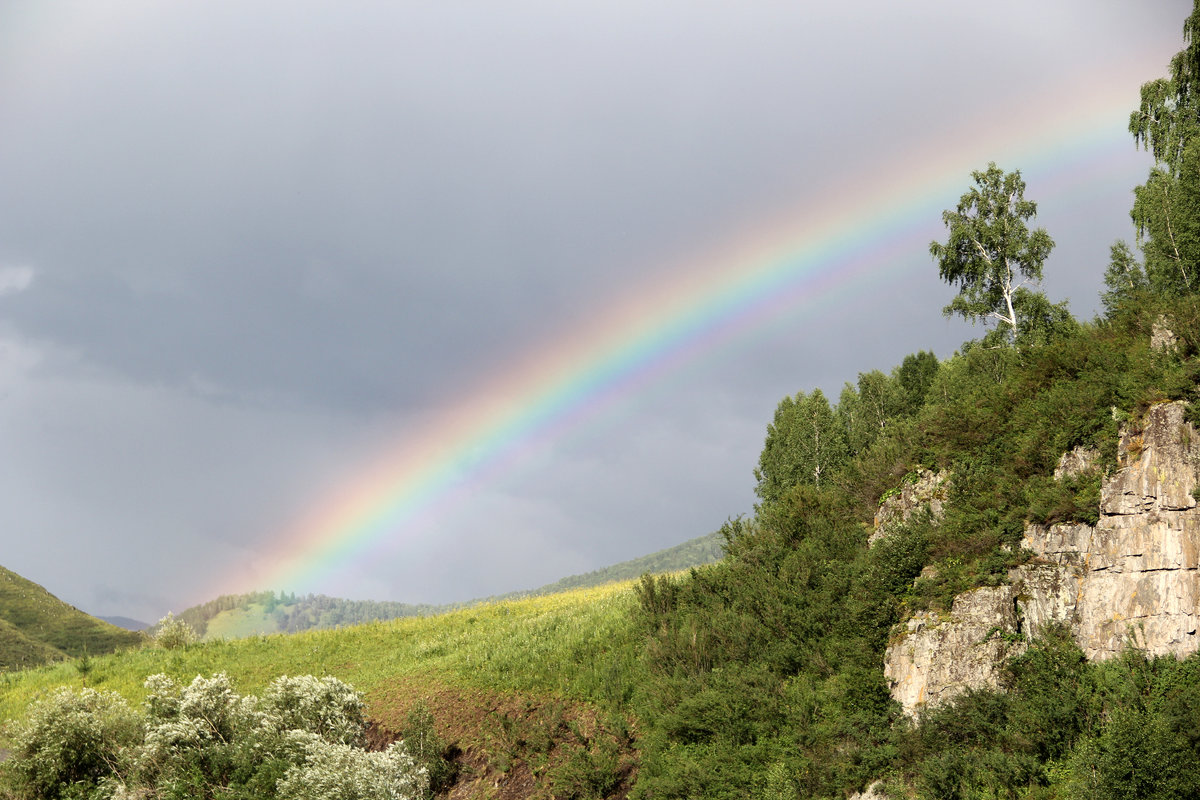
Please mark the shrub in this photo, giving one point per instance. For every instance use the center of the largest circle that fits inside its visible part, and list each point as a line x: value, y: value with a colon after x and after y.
x: 427, y: 748
x: 325, y: 706
x: 172, y: 633
x: 202, y: 736
x: 339, y: 772
x: 204, y: 740
x: 71, y: 744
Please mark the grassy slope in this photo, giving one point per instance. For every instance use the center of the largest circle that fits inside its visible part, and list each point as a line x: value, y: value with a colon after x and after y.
x: 692, y: 553
x: 18, y: 651
x: 40, y: 626
x: 253, y: 618
x: 575, y: 645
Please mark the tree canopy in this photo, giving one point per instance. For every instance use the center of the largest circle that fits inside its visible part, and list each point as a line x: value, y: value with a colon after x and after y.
x: 1166, y: 208
x: 991, y: 255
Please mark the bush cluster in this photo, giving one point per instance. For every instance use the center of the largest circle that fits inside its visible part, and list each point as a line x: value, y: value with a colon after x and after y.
x: 302, y: 740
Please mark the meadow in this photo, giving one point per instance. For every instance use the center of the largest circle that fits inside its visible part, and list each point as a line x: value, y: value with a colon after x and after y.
x: 576, y: 644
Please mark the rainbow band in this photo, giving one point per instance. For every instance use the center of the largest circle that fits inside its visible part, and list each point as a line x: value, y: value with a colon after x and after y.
x: 689, y: 313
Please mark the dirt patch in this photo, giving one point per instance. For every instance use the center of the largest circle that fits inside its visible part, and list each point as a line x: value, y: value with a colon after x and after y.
x: 508, y: 746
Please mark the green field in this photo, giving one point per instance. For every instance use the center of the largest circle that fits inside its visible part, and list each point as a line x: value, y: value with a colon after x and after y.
x: 575, y: 644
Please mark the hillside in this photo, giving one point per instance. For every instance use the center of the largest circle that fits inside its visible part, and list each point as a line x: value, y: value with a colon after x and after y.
x: 525, y: 695
x: 126, y: 623
x: 36, y: 627
x: 258, y: 613
x: 696, y: 552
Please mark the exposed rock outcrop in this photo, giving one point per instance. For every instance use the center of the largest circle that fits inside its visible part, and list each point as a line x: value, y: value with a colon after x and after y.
x: 872, y: 792
x: 1077, y: 462
x: 1161, y: 335
x: 939, y: 656
x: 1132, y: 581
x: 926, y: 491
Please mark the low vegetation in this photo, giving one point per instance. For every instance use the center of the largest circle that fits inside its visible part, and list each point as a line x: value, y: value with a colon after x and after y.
x: 36, y: 627
x: 301, y: 740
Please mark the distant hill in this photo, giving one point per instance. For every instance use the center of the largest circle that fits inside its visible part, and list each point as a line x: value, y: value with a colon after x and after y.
x: 692, y: 553
x: 233, y: 616
x: 236, y: 615
x: 36, y: 627
x: 127, y: 623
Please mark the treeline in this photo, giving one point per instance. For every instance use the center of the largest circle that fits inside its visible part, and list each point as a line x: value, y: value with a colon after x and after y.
x: 764, y: 671
x: 319, y: 611
x: 291, y: 613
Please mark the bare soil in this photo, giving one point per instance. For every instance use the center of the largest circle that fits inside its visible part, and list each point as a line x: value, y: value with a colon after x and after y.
x: 510, y: 746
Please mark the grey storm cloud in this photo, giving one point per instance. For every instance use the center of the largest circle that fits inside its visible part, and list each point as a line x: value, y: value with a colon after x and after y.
x: 246, y: 246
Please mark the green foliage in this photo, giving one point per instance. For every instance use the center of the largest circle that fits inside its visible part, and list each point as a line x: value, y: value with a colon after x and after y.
x: 915, y: 375
x: 172, y: 633
x: 427, y: 749
x: 1124, y: 280
x: 1166, y: 209
x: 72, y: 744
x: 204, y: 740
x: 991, y: 254
x: 754, y: 661
x: 805, y: 444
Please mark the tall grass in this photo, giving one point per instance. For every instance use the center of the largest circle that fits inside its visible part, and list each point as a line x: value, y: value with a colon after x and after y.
x: 578, y: 644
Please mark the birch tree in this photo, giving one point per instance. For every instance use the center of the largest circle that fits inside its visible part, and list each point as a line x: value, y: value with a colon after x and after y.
x: 805, y: 444
x: 1166, y: 208
x: 991, y: 255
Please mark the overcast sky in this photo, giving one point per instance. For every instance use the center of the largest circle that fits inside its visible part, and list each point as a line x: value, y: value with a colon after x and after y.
x: 247, y: 249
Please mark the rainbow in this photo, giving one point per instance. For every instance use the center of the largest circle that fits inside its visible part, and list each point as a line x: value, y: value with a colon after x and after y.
x: 812, y: 255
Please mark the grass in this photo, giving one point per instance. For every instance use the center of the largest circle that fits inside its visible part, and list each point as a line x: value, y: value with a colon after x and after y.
x: 576, y: 645
x: 236, y: 623
x: 35, y: 626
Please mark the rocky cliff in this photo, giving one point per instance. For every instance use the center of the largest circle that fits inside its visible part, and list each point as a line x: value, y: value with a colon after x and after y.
x: 1131, y: 581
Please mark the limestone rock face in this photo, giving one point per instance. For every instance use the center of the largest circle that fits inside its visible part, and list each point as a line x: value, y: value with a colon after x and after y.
x: 936, y: 657
x: 872, y: 792
x: 1161, y: 335
x: 926, y: 492
x: 1158, y: 465
x: 1076, y: 462
x: 1132, y: 581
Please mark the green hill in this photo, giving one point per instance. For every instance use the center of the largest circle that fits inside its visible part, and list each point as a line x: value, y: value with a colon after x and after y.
x: 36, y: 627
x: 692, y: 553
x: 515, y: 689
x: 258, y: 613
x: 233, y: 616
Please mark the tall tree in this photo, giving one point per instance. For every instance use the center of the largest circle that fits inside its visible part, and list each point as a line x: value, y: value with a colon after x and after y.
x: 805, y: 443
x: 1124, y: 277
x: 991, y: 255
x: 1166, y: 208
x: 915, y: 375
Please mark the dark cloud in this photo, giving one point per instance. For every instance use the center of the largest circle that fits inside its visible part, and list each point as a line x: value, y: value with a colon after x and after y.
x: 242, y: 248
